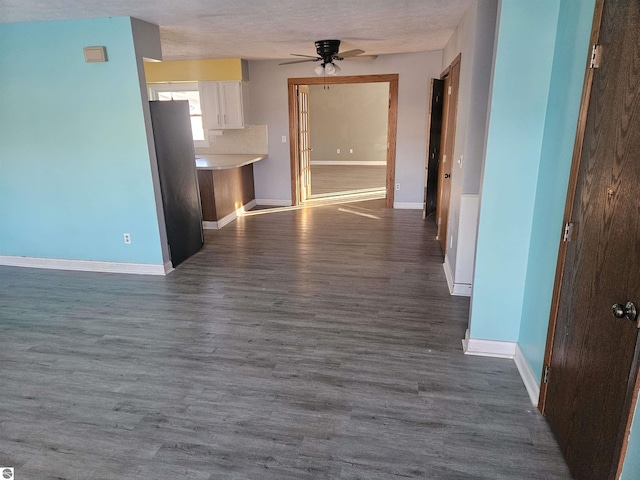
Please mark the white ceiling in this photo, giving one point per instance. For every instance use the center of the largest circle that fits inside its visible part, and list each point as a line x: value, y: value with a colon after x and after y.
x: 266, y: 29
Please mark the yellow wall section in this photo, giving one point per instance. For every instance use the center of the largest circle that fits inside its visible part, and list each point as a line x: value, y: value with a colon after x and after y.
x: 193, y: 70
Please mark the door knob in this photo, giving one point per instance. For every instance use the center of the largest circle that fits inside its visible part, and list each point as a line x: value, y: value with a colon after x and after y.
x: 621, y: 311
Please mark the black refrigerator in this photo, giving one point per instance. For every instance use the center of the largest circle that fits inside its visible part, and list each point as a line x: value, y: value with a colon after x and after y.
x: 178, y: 178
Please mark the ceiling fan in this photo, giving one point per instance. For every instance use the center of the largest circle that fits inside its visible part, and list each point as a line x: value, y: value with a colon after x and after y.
x: 328, y: 52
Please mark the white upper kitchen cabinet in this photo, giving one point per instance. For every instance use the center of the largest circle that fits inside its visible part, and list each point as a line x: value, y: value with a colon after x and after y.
x: 222, y: 104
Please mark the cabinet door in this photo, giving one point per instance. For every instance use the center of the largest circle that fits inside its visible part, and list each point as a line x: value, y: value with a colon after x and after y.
x: 212, y: 109
x: 231, y: 100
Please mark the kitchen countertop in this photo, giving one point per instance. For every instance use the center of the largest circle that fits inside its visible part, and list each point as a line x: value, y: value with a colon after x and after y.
x: 226, y: 161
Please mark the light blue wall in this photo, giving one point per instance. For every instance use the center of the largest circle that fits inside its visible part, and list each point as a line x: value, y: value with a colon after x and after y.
x: 74, y: 160
x: 520, y: 89
x: 567, y: 78
x: 631, y: 468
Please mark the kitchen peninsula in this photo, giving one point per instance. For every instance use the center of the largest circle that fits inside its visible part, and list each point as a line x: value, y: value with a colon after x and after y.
x: 226, y: 186
x: 226, y: 143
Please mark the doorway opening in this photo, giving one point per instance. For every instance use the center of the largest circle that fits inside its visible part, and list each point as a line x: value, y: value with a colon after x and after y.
x: 441, y: 134
x: 338, y: 170
x: 434, y: 136
x: 348, y: 132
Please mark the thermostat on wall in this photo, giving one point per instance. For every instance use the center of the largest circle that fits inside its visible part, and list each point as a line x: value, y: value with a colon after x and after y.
x: 95, y: 54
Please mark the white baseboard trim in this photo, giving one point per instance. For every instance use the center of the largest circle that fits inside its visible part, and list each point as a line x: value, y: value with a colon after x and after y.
x: 408, y: 205
x: 86, y: 265
x: 461, y: 290
x: 226, y: 220
x: 510, y: 350
x: 528, y: 377
x: 456, y: 289
x: 168, y: 268
x: 249, y: 205
x: 207, y: 225
x: 273, y: 202
x: 488, y: 348
x: 346, y: 162
x: 448, y: 274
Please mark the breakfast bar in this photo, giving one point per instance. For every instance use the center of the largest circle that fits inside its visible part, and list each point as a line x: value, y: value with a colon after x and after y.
x: 226, y: 186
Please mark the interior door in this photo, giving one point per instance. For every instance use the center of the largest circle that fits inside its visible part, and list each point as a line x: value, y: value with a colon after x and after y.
x: 304, y: 141
x: 445, y: 169
x: 434, y: 131
x: 594, y: 355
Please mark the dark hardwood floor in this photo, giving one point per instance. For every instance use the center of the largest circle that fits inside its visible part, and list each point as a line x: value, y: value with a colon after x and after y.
x: 318, y: 343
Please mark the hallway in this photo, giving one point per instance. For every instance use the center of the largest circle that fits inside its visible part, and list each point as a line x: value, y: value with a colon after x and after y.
x: 313, y: 343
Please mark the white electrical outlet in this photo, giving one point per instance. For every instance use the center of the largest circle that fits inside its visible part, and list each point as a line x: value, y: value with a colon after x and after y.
x: 351, y: 150
x: 397, y: 186
x: 338, y: 150
x: 127, y: 238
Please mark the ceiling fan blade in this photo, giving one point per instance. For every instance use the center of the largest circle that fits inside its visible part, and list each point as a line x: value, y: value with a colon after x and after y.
x: 351, y: 53
x: 299, y: 61
x: 300, y: 55
x: 362, y: 58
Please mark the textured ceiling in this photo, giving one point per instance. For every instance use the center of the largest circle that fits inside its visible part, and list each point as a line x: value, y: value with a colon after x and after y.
x: 266, y: 29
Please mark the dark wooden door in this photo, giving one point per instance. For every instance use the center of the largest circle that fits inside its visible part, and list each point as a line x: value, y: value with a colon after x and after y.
x: 178, y: 179
x: 434, y: 131
x: 594, y: 355
x: 447, y: 143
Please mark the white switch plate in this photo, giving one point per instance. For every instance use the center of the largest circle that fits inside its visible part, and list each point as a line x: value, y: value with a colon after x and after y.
x: 351, y: 150
x: 284, y: 139
x: 338, y: 150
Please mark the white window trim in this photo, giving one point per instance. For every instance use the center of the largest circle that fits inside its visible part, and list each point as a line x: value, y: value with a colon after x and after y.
x: 155, y: 88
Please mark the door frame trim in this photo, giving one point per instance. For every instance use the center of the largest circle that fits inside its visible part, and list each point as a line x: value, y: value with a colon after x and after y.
x: 392, y: 131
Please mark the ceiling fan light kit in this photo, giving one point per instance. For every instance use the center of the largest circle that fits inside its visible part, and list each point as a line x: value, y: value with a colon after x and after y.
x: 330, y: 69
x: 328, y: 52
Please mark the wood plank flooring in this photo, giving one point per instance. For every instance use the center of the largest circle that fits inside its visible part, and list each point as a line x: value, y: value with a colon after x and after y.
x: 340, y: 178
x: 318, y: 343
